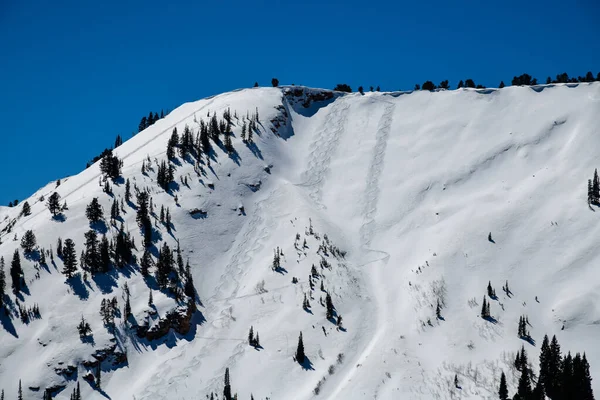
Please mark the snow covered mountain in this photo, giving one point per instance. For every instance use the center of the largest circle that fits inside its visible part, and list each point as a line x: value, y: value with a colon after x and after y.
x: 391, y: 196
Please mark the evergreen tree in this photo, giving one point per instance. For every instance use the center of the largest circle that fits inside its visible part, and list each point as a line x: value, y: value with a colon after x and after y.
x: 54, y: 203
x: 585, y: 380
x: 501, y: 84
x: 114, y: 210
x: 554, y: 373
x: 566, y: 379
x: 94, y: 211
x: 544, y: 361
x: 438, y: 310
x: 59, y: 248
x: 251, y: 337
x: 470, y: 83
x: 26, y: 211
x: 20, y: 396
x: 596, y: 187
x: 275, y: 82
x: 110, y: 165
x: 329, y: 305
x: 127, y: 302
x: 143, y: 124
x: 104, y: 265
x: 484, y: 312
x: 228, y: 144
x: 503, y: 390
x: 69, y: 258
x: 16, y: 272
x: 150, y: 300
x: 146, y: 263
x: 189, y: 288
x: 227, y: 388
x: 590, y: 196
x: 538, y: 392
x: 460, y: 84
x: 118, y: 141
x: 361, y: 90
x: 524, y: 388
x: 99, y: 376
x: 2, y: 282
x: 28, y: 241
x: 92, y: 253
x: 84, y: 328
x: 127, y: 191
x: 164, y: 266
x: 300, y: 350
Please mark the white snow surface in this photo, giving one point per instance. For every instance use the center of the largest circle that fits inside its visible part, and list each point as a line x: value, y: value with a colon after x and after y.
x: 409, y: 184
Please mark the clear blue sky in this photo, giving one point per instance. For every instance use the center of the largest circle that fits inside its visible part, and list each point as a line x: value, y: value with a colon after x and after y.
x: 74, y: 74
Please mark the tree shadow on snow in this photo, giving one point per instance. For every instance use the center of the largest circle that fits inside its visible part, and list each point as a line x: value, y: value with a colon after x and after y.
x: 307, y: 364
x: 7, y: 323
x: 78, y: 287
x: 105, y: 282
x: 491, y: 319
x: 59, y: 217
x: 99, y: 227
x: 529, y: 340
x: 255, y: 150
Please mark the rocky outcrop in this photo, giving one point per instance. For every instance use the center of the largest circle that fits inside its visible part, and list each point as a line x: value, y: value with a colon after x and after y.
x: 179, y: 320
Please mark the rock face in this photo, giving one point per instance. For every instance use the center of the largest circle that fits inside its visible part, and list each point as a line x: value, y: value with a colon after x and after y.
x: 178, y: 319
x: 308, y: 96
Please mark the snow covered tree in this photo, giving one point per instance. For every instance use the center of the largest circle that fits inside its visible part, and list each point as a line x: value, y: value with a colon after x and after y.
x: 16, y: 272
x: 93, y: 211
x: 300, y: 350
x: 503, y: 390
x: 54, y: 203
x: 28, y: 241
x: 69, y: 258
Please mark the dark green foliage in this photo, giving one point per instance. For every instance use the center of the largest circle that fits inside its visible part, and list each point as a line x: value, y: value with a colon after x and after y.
x: 275, y: 82
x: 127, y: 310
x: 164, y: 177
x: 329, y: 305
x: 460, y: 84
x: 54, y: 203
x: 428, y: 85
x: 118, y: 141
x: 501, y: 85
x: 485, y: 309
x: 524, y: 80
x: 146, y: 263
x: 417, y: 87
x: 26, y: 211
x: 92, y: 252
x: 2, y: 282
x: 20, y: 396
x: 127, y: 191
x: 503, y: 390
x: 16, y: 272
x: 444, y: 84
x: 84, y: 328
x: 104, y: 265
x: 143, y: 218
x: 524, y: 388
x: 227, y: 386
x: 342, y: 87
x: 300, y: 350
x: 93, y: 211
x: 28, y: 241
x: 255, y: 84
x: 189, y: 288
x: 123, y: 248
x: 111, y: 165
x: 114, y: 210
x: 590, y: 195
x: 470, y: 83
x: 595, y: 188
x: 164, y: 266
x: 69, y: 257
x: 361, y: 90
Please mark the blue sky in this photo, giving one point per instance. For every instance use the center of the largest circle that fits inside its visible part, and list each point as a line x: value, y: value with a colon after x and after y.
x: 74, y: 74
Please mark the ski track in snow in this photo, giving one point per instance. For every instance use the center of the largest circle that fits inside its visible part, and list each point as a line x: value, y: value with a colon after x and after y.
x: 366, y: 235
x: 220, y: 303
x: 323, y: 148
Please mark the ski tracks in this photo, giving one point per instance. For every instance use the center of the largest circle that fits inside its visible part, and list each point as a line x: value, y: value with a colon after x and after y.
x: 323, y: 148
x: 366, y: 232
x: 375, y: 170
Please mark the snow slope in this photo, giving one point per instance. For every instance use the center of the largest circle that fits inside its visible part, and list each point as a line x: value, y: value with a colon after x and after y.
x: 409, y: 184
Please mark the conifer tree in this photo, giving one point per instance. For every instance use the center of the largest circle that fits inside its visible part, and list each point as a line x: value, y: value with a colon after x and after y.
x: 146, y: 263
x: 596, y: 187
x: 2, y: 282
x: 484, y: 309
x: 54, y: 203
x: 503, y: 390
x: 127, y: 302
x: 127, y: 191
x: 20, y: 396
x: 329, y: 305
x: 438, y: 310
x: 189, y: 288
x: 544, y: 361
x: 114, y: 210
x: 524, y: 388
x: 251, y: 337
x: 26, y: 211
x: 92, y: 253
x: 94, y: 211
x: 16, y: 272
x: 99, y: 376
x: 69, y: 258
x: 28, y: 241
x: 104, y: 264
x: 227, y: 386
x: 590, y: 192
x: 300, y: 350
x: 150, y: 300
x: 554, y: 373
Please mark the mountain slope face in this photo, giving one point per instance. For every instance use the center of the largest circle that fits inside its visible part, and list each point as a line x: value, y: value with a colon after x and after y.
x: 392, y: 196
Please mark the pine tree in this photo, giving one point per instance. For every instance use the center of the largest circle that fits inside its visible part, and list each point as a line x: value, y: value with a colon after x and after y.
x: 84, y: 328
x: 2, y: 282
x: 28, y: 241
x: 489, y: 289
x: 99, y: 377
x: 16, y: 272
x: 104, y: 264
x: 538, y: 392
x: 150, y: 300
x: 227, y: 388
x: 503, y: 390
x: 146, y: 263
x: 524, y: 388
x: 544, y: 361
x: 501, y: 85
x: 554, y: 373
x: 127, y: 191
x: 127, y: 302
x: 484, y: 312
x: 330, y: 306
x: 596, y: 187
x: 189, y: 288
x: 586, y: 380
x: 300, y: 350
x: 566, y: 379
x: 54, y: 203
x: 251, y: 337
x: 438, y: 310
x: 26, y: 211
x: 20, y: 396
x: 590, y: 196
x: 114, y: 210
x: 69, y: 258
x: 92, y: 254
x: 94, y: 211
